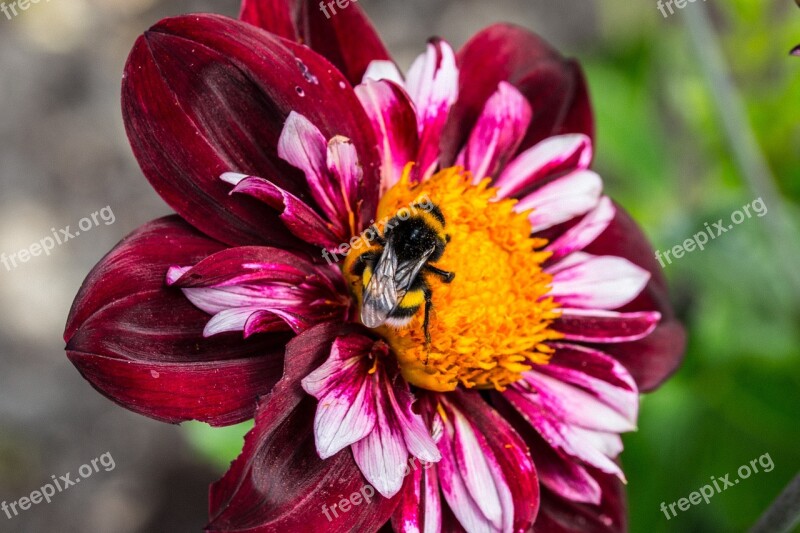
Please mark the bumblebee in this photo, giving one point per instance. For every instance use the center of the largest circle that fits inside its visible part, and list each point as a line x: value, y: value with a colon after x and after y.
x: 393, y: 272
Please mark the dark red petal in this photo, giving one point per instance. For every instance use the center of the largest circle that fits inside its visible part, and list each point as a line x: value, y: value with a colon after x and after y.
x: 141, y: 344
x: 279, y: 483
x: 204, y: 95
x: 275, y: 16
x: 220, y: 393
x: 347, y: 39
x: 511, y: 452
x: 559, y: 515
x: 554, y: 86
x: 345, y: 36
x: 654, y: 358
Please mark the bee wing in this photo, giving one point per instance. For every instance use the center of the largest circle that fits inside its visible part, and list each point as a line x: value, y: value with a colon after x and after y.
x: 381, y: 295
x: 388, y: 286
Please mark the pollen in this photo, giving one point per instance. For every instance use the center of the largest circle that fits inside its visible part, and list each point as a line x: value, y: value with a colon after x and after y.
x: 492, y: 322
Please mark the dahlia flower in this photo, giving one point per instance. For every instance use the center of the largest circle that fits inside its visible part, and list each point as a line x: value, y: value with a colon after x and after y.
x: 287, y: 142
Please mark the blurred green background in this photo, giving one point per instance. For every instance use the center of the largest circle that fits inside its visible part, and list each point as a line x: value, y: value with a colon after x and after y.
x: 661, y: 149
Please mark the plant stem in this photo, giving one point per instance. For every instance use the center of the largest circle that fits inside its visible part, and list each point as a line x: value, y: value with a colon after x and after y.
x: 732, y: 114
x: 784, y: 513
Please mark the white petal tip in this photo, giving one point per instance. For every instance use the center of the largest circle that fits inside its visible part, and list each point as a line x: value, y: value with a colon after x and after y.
x: 234, y: 178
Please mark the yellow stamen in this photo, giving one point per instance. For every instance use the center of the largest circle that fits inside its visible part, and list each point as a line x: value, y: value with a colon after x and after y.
x: 489, y: 325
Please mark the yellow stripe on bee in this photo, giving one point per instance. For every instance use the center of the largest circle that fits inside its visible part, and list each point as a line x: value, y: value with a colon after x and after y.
x: 413, y: 299
x: 366, y: 276
x: 432, y: 222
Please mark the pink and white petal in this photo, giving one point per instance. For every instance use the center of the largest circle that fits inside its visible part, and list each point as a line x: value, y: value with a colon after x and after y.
x: 346, y: 411
x: 498, y: 133
x: 416, y: 435
x: 597, y: 326
x: 346, y: 170
x: 420, y: 506
x: 216, y: 300
x: 382, y: 455
x: 456, y: 493
x: 604, y: 282
x: 557, y: 471
x: 432, y: 81
x: 597, y: 373
x: 298, y: 217
x: 564, y: 199
x: 552, y: 156
x: 246, y: 265
x: 395, y: 123
x: 559, y: 433
x: 481, y: 474
x: 432, y: 84
x: 585, y: 231
x: 279, y: 483
x: 302, y: 145
x: 229, y: 320
x: 264, y: 322
x: 577, y: 407
x: 383, y: 70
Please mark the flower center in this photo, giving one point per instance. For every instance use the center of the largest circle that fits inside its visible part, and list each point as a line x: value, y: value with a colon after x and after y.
x: 490, y: 324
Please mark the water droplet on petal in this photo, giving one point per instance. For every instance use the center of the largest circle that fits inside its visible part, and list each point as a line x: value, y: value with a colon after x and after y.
x: 342, y: 85
x: 310, y: 78
x: 300, y: 91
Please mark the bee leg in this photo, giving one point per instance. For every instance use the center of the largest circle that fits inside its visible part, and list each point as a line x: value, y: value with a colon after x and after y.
x: 361, y: 262
x: 446, y: 277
